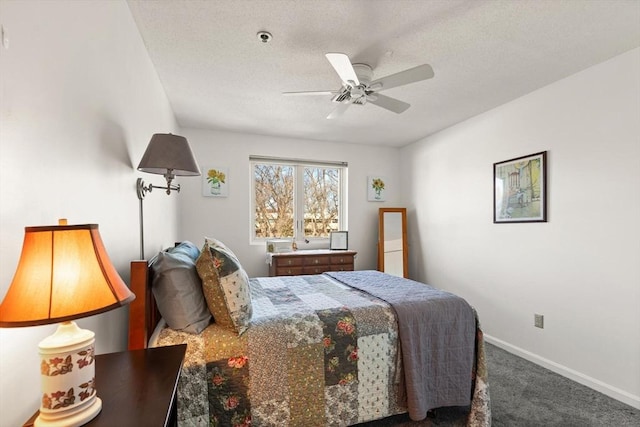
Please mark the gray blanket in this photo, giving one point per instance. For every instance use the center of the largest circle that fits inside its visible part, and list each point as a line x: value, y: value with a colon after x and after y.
x: 437, y: 334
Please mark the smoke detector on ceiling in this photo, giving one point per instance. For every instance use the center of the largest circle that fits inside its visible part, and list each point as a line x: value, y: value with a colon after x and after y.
x: 264, y: 36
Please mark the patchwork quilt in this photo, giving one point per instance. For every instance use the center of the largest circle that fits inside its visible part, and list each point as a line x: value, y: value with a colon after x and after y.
x: 317, y: 353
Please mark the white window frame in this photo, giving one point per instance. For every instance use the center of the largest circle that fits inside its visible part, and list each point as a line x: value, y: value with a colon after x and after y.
x: 299, y: 165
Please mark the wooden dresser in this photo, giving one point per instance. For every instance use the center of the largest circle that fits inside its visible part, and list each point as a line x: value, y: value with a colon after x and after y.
x: 310, y: 262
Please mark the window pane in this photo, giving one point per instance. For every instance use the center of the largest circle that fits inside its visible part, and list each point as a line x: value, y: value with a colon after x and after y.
x: 274, y: 185
x: 321, y: 201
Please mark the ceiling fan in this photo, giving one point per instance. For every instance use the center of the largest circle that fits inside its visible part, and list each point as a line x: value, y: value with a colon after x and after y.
x: 358, y: 88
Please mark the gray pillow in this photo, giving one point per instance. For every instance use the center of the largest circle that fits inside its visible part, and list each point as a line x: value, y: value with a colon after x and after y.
x: 178, y: 292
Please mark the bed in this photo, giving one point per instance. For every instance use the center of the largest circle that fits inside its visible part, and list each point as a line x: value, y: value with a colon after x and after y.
x: 334, y: 349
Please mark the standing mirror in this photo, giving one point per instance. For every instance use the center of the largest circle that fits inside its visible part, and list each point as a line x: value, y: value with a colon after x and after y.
x: 393, y: 253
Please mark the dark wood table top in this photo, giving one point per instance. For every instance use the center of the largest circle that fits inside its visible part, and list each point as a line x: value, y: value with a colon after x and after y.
x: 137, y: 387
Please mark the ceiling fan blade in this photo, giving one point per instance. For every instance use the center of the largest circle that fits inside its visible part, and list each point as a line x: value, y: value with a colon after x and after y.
x: 416, y: 74
x: 339, y: 110
x: 343, y: 67
x: 317, y: 92
x: 388, y: 103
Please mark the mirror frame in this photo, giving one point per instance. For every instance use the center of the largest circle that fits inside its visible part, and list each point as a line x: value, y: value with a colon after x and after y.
x: 405, y: 246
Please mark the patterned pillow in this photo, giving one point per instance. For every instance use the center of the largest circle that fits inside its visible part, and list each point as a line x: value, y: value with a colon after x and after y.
x: 225, y: 285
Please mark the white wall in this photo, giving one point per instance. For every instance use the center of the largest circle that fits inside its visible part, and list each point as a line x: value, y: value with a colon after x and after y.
x: 581, y: 269
x: 79, y: 101
x: 228, y: 219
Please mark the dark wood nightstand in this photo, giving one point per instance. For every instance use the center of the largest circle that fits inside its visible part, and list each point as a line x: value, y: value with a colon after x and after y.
x: 137, y: 388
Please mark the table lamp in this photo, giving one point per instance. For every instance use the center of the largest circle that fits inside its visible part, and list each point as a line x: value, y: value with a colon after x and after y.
x: 64, y: 273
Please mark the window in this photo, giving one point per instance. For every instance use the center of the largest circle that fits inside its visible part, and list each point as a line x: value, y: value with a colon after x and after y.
x: 298, y: 199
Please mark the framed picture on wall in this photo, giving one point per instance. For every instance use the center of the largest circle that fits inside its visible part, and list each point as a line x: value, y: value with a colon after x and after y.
x: 339, y: 240
x: 215, y: 181
x: 376, y: 188
x: 519, y: 189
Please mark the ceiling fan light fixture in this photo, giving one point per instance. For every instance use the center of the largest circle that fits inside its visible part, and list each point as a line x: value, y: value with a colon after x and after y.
x: 359, y: 89
x: 364, y: 73
x: 342, y: 97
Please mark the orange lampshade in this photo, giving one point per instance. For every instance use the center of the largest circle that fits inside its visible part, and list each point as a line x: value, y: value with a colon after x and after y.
x: 64, y: 273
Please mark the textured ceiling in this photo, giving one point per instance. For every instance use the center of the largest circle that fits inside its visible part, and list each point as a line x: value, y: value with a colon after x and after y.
x: 218, y: 75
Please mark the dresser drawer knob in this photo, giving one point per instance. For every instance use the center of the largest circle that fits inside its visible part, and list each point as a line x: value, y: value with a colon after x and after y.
x: 341, y: 260
x: 289, y: 261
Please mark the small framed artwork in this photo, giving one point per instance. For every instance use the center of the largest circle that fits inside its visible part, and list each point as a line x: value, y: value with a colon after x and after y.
x: 215, y: 182
x: 520, y: 189
x: 339, y: 240
x: 376, y: 188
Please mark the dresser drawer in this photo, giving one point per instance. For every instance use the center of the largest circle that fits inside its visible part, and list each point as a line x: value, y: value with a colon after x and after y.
x: 341, y: 259
x: 288, y: 261
x: 315, y: 260
x: 289, y: 271
x: 341, y: 267
x: 315, y: 270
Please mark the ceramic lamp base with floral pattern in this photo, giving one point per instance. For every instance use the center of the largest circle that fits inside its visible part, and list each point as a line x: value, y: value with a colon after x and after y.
x: 67, y: 370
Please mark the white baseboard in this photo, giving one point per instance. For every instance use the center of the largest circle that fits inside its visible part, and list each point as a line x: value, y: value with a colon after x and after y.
x: 578, y: 377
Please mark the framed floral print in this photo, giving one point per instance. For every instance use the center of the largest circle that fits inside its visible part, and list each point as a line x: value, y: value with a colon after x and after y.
x: 215, y: 182
x: 376, y: 187
x: 519, y: 189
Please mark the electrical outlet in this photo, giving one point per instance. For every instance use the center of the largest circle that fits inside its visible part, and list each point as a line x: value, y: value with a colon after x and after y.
x: 538, y: 321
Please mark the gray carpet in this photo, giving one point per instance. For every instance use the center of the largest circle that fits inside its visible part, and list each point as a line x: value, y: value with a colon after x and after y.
x: 525, y: 394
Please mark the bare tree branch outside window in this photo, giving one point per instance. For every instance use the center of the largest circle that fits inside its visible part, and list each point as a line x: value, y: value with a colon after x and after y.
x: 321, y: 190
x: 275, y: 213
x: 274, y: 200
